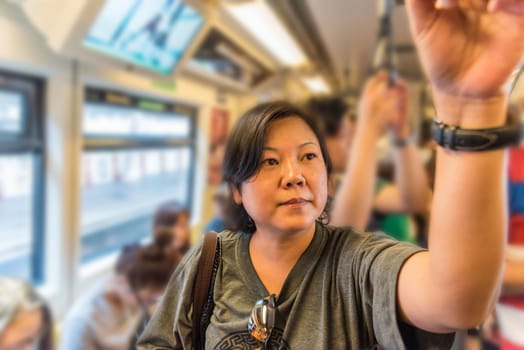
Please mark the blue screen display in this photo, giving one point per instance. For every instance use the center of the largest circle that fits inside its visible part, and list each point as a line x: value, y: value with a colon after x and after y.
x: 150, y: 33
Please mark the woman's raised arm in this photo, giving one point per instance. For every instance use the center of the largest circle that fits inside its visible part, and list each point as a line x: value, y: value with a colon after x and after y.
x: 468, y: 49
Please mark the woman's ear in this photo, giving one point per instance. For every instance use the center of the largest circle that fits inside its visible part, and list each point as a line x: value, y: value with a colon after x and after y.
x: 237, y: 196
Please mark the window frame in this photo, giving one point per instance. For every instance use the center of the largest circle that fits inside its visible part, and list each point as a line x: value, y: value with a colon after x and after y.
x: 31, y: 140
x: 92, y: 142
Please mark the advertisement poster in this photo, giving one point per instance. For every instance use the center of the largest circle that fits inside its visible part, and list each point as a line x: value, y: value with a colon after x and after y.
x: 217, y: 144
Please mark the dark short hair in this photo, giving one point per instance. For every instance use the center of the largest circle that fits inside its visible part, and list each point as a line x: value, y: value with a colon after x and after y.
x: 328, y: 113
x: 168, y: 213
x: 244, y: 149
x: 146, y: 265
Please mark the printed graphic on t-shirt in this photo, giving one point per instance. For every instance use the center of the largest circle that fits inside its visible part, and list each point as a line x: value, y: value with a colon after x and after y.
x: 244, y: 341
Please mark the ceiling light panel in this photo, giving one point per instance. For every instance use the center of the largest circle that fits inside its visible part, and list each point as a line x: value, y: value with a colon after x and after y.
x: 260, y: 20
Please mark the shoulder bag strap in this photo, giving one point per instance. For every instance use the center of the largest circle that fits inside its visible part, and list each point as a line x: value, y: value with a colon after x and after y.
x: 202, y: 284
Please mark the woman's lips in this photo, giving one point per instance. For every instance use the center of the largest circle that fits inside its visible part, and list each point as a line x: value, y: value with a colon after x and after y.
x: 295, y: 201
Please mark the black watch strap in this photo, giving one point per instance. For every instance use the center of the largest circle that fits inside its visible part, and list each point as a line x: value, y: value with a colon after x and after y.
x: 474, y: 140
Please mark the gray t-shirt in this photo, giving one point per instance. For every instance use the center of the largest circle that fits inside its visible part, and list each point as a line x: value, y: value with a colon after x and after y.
x: 341, y: 294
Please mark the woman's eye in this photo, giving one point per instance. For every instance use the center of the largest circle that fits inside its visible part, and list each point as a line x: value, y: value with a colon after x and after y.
x: 270, y: 161
x: 310, y: 156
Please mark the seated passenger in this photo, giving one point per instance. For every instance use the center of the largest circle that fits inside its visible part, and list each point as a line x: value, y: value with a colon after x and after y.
x: 173, y: 218
x: 25, y: 318
x: 111, y: 314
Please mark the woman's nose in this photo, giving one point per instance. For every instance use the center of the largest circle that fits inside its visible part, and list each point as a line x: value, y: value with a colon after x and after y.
x: 293, y: 175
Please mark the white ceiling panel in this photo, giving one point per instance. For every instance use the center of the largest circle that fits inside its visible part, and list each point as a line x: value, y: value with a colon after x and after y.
x: 348, y: 29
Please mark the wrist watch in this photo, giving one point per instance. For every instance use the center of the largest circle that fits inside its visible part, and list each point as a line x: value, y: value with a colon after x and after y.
x: 474, y: 140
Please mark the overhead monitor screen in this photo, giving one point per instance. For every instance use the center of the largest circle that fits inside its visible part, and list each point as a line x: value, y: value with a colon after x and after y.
x: 219, y: 55
x: 153, y: 34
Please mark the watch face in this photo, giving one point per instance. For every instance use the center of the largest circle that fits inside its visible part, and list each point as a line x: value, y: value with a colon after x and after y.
x: 472, y: 140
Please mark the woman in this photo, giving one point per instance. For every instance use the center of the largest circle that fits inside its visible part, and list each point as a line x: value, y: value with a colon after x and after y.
x: 25, y: 319
x: 323, y: 287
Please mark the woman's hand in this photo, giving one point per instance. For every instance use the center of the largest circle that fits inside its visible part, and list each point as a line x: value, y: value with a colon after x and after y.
x: 468, y: 47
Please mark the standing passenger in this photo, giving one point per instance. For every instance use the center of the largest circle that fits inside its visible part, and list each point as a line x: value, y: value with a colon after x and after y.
x: 361, y: 199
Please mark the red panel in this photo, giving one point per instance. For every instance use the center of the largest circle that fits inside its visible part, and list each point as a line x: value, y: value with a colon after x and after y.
x: 508, y: 345
x: 516, y: 164
x: 516, y: 230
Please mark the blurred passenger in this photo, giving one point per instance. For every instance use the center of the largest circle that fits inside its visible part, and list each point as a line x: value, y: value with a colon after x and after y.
x: 361, y: 199
x: 338, y: 126
x: 510, y: 309
x: 172, y: 217
x: 25, y: 318
x: 218, y: 223
x: 111, y: 315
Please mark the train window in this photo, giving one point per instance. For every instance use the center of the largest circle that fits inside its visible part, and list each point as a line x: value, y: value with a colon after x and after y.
x: 11, y: 109
x: 21, y: 177
x: 138, y: 153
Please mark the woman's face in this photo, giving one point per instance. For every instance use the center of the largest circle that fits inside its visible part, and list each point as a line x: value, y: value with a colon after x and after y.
x: 23, y: 332
x: 289, y: 191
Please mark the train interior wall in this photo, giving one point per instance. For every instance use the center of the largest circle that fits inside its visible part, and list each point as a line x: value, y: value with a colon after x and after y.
x: 23, y: 50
